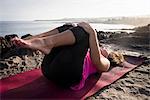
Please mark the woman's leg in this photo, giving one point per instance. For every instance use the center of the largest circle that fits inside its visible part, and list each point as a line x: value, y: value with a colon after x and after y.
x: 55, y: 31
x: 51, y: 32
x: 45, y: 44
x: 64, y: 64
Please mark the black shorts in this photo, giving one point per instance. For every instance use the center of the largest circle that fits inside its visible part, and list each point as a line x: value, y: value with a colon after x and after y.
x: 64, y: 64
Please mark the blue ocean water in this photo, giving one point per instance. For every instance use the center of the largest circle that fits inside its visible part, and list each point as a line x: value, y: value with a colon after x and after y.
x: 35, y: 27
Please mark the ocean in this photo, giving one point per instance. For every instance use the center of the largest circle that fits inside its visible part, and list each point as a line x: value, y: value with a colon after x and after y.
x: 35, y: 27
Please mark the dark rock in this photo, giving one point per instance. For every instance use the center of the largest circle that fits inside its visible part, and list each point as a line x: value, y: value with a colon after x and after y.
x: 7, y: 49
x: 143, y: 71
x: 144, y: 91
x: 23, y: 63
x: 13, y: 66
x: 26, y: 36
x: 129, y: 81
x: 9, y: 37
x: 103, y: 35
x: 3, y: 65
x: 14, y: 59
x: 10, y: 62
x: 6, y: 44
x: 108, y: 35
x: 133, y: 90
x: 143, y: 28
x: 118, y: 34
x: 118, y: 88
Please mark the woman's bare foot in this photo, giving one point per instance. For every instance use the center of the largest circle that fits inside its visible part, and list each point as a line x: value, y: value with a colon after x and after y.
x: 35, y: 44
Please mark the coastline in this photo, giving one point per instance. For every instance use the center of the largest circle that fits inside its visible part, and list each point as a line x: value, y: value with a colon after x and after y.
x: 35, y: 27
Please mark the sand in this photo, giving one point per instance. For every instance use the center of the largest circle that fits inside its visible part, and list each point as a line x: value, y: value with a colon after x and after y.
x: 135, y: 85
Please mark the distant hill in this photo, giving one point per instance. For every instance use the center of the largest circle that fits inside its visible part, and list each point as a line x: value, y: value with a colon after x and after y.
x: 143, y: 29
x: 136, y: 21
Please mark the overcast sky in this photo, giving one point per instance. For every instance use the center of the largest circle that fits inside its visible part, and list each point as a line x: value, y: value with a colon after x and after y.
x: 55, y: 9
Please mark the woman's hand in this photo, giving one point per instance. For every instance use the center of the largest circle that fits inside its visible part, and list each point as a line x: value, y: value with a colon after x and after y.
x: 87, y: 28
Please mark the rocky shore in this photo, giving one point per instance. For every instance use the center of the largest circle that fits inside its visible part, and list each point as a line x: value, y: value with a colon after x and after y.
x: 14, y: 60
x: 134, y: 86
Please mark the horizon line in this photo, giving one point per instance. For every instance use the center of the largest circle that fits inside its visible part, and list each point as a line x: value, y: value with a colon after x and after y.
x: 55, y: 19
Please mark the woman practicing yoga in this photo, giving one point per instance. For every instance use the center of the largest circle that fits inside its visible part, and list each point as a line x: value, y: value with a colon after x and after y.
x: 72, y: 53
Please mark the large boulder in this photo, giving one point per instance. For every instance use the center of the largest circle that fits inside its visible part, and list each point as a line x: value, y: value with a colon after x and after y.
x: 6, y: 44
x: 15, y: 60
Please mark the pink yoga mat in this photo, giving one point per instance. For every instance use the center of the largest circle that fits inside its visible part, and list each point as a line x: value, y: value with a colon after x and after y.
x: 33, y: 85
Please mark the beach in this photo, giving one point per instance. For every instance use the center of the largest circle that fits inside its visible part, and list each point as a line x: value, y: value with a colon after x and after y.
x: 135, y: 85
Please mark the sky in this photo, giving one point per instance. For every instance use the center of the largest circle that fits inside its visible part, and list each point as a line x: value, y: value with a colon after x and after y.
x: 57, y: 9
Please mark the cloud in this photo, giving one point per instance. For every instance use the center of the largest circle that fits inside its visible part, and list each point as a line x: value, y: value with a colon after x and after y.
x: 53, y: 9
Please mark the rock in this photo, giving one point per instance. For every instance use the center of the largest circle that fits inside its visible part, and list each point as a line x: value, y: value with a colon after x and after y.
x: 9, y: 37
x: 3, y: 65
x: 118, y: 34
x: 143, y: 28
x: 16, y: 60
x: 6, y: 44
x: 7, y: 49
x: 20, y: 61
x: 27, y: 36
x: 103, y: 35
x: 144, y: 91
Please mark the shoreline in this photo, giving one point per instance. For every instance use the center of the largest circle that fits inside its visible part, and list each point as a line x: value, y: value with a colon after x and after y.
x: 30, y: 27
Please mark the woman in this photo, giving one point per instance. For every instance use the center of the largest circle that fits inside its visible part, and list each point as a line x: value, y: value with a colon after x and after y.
x: 72, y: 53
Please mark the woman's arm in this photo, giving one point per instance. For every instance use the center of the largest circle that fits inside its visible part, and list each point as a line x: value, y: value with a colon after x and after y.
x: 97, y: 58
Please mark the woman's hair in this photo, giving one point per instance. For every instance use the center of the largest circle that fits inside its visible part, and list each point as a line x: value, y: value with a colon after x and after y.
x: 115, y: 58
